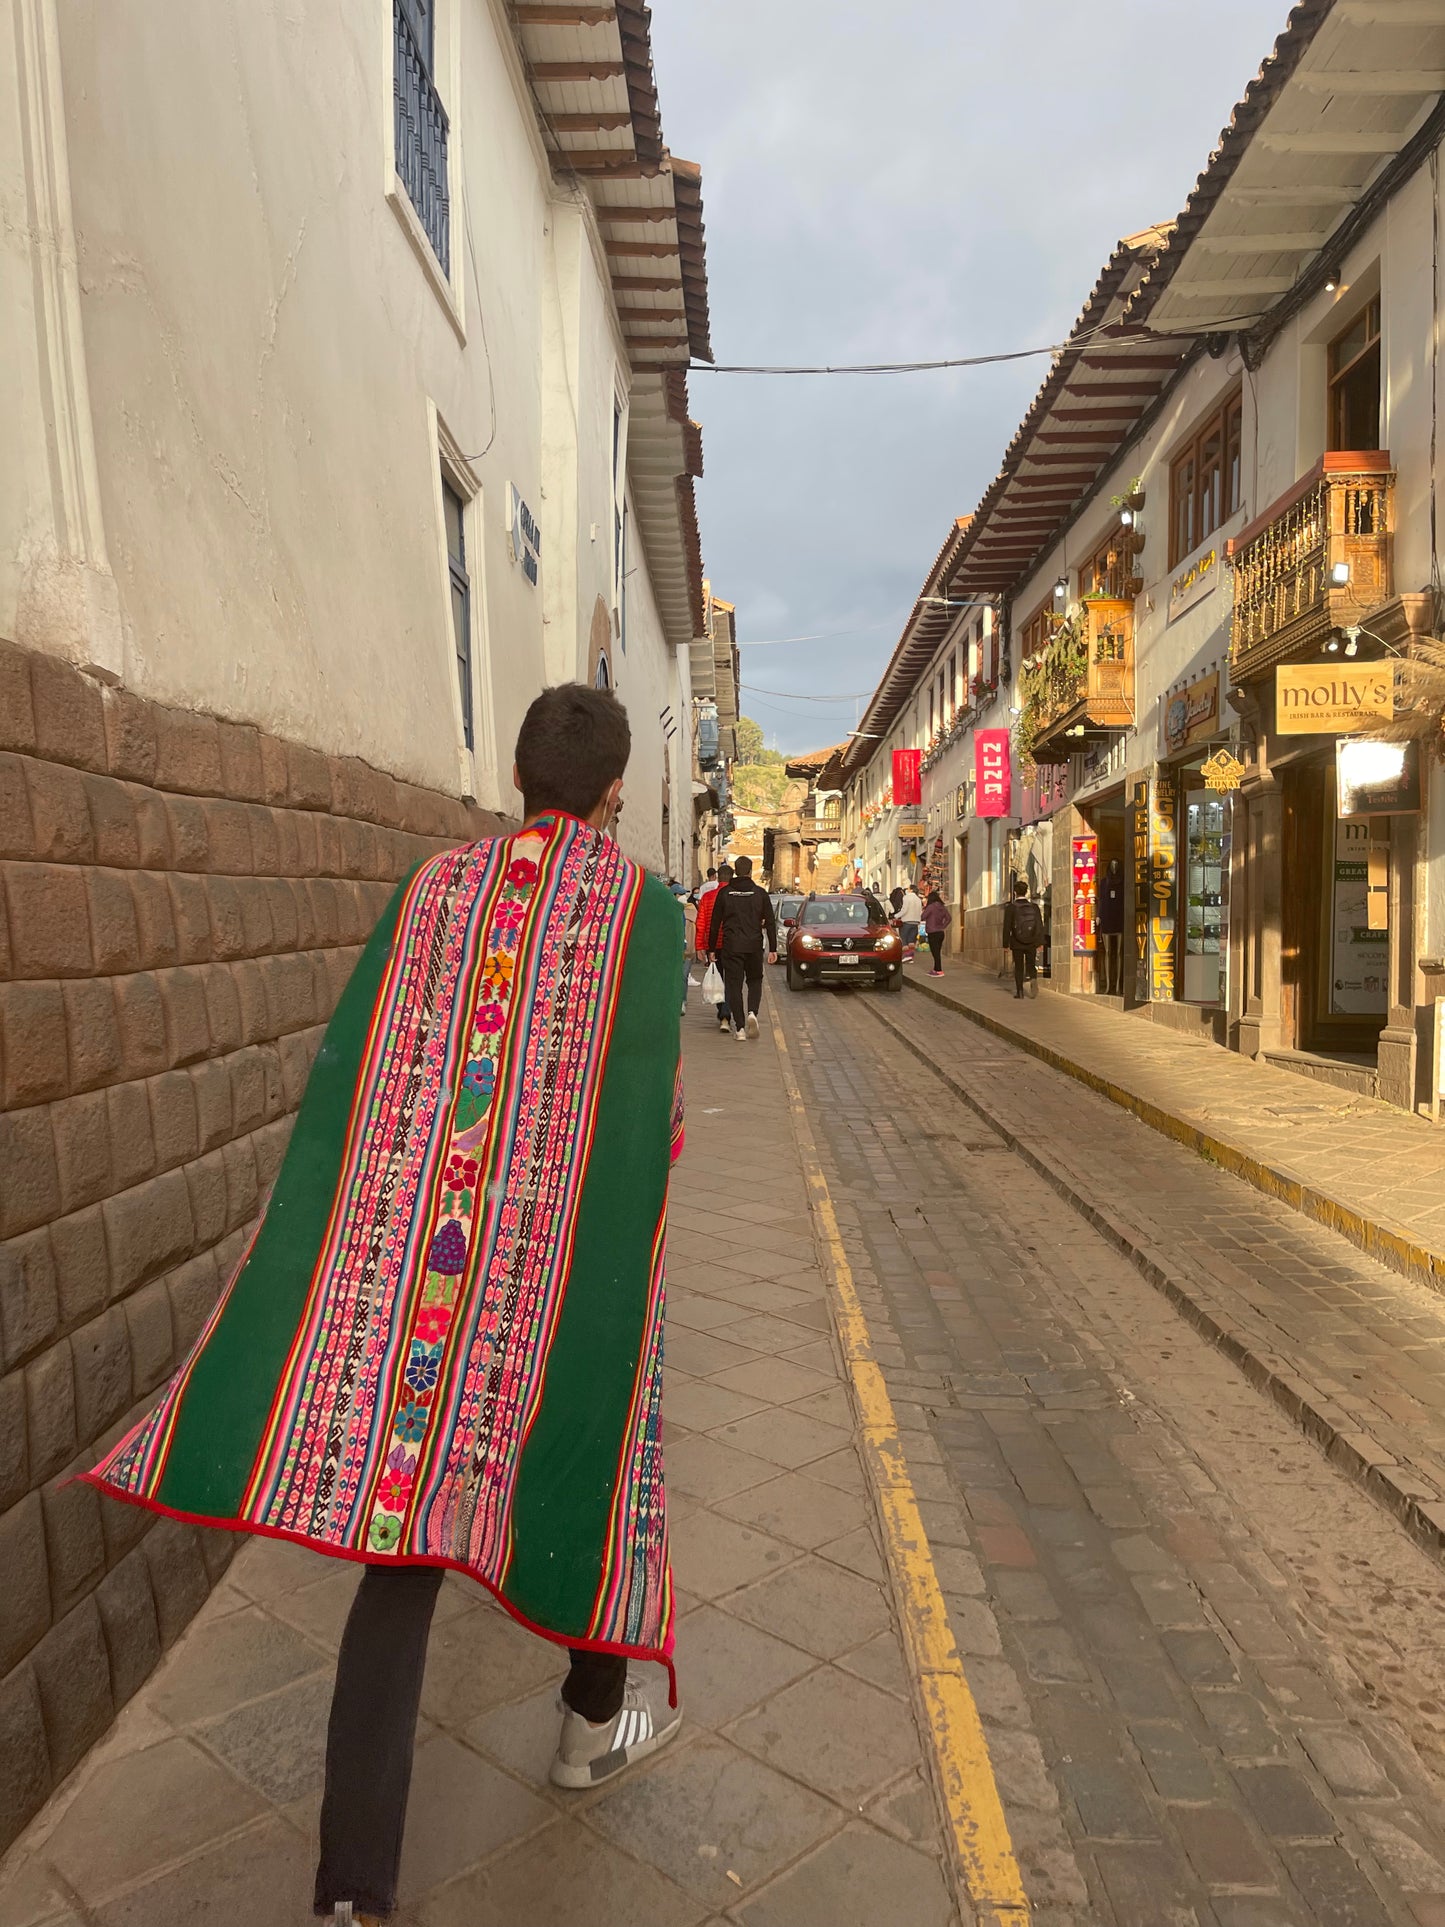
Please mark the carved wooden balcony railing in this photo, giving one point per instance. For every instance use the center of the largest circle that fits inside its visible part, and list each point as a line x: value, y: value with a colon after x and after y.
x: 1316, y: 560
x: 1083, y: 684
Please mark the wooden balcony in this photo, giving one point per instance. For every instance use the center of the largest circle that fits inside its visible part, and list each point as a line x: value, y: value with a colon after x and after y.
x: 1083, y: 683
x: 1316, y: 560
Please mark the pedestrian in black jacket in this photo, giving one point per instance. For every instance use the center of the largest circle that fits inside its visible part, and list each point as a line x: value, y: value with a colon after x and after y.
x: 1023, y: 932
x: 742, y: 917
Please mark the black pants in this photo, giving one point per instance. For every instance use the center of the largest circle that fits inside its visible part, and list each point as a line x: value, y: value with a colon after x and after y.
x: 935, y: 944
x: 1111, y: 944
x: 737, y: 971
x: 1026, y: 963
x: 373, y: 1730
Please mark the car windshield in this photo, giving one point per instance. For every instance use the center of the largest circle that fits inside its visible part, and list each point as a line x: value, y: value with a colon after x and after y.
x: 788, y: 906
x: 837, y: 910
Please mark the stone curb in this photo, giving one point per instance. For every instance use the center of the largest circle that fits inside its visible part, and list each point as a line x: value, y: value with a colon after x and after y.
x: 1418, y: 1508
x: 1390, y: 1245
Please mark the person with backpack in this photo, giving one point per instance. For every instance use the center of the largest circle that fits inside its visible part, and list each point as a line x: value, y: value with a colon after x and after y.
x: 1023, y: 932
x: 936, y: 919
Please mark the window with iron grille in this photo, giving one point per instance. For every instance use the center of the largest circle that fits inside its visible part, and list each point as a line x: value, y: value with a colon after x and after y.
x: 455, y: 510
x: 421, y: 122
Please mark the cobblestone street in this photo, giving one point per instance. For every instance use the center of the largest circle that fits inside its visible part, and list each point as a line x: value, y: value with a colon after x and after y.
x: 1206, y: 1661
x: 1208, y: 1664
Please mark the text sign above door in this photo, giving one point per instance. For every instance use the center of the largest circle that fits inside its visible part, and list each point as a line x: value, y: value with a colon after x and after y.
x: 1322, y: 699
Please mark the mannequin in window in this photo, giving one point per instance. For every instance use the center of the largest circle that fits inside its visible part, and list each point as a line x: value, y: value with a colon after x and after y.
x: 1110, y: 913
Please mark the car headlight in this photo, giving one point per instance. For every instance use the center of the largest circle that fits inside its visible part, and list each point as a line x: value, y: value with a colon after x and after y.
x: 810, y: 943
x: 888, y: 941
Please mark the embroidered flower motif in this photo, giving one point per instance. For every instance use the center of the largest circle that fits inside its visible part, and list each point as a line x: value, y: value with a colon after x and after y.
x: 521, y: 871
x: 480, y: 1078
x: 393, y: 1491
x: 509, y: 913
x: 448, y: 1252
x: 384, y: 1533
x: 421, y: 1372
x: 490, y: 1018
x: 411, y: 1420
x: 497, y: 972
x: 433, y: 1323
x: 461, y: 1173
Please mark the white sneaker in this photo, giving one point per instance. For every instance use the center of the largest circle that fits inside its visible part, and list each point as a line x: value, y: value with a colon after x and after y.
x: 587, y: 1754
x: 752, y: 1023
x: 741, y: 1036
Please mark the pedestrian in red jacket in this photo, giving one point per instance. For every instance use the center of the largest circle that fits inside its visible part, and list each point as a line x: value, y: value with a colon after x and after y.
x: 705, y: 905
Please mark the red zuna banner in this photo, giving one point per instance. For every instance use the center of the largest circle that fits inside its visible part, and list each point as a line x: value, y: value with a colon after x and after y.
x: 907, y: 776
x: 993, y: 772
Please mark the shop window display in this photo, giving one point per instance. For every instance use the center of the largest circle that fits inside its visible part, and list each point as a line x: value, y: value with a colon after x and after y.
x: 1206, y: 889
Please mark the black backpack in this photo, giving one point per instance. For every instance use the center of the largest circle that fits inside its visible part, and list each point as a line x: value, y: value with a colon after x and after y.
x: 1028, y: 924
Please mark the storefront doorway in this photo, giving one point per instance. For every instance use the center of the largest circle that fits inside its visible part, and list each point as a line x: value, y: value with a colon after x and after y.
x: 1334, y: 969
x: 1105, y: 818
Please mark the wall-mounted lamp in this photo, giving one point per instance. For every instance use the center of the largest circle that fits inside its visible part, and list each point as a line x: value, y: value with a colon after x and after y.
x: 1332, y: 647
x: 1332, y: 281
x: 1340, y: 574
x: 1061, y: 589
x: 1126, y: 518
x: 1352, y: 647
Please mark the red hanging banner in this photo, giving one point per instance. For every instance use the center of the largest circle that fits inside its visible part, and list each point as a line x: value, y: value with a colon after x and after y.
x: 907, y: 777
x: 993, y: 772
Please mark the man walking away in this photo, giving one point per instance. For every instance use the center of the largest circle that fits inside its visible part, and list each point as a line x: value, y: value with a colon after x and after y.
x: 706, y: 904
x: 910, y: 915
x: 936, y: 919
x: 895, y: 897
x: 1023, y: 932
x: 444, y: 1346
x: 742, y: 916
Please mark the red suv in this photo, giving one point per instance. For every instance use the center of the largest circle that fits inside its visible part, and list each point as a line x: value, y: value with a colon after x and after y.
x: 840, y: 940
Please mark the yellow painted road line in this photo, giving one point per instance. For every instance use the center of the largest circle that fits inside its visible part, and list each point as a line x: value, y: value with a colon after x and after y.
x: 979, y: 1842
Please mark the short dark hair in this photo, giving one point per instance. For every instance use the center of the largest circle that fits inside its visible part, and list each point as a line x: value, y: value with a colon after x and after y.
x: 724, y: 870
x: 1021, y: 889
x: 711, y: 872
x: 573, y: 742
x: 743, y: 867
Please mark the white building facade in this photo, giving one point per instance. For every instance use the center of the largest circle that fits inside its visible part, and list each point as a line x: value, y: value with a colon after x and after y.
x: 343, y: 407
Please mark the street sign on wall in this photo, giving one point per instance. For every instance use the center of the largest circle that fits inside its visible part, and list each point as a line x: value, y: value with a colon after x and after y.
x: 1319, y: 699
x: 992, y: 768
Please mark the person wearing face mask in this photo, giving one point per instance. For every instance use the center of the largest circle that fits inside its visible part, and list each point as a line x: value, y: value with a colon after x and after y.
x: 443, y: 1349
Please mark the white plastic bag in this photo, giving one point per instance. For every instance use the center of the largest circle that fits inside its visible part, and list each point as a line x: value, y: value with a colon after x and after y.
x: 712, y: 985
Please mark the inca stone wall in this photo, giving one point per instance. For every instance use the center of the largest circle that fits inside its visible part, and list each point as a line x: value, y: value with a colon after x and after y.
x: 183, y: 899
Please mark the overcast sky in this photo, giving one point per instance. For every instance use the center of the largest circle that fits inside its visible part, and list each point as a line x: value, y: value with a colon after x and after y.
x: 914, y: 180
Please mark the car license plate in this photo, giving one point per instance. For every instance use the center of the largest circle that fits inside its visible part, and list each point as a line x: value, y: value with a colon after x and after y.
x: 846, y: 960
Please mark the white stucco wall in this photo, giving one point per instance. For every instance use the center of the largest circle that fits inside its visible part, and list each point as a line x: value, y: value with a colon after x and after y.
x: 271, y: 356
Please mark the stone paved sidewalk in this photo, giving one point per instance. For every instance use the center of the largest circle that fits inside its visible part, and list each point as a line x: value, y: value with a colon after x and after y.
x: 795, y: 1796
x: 1355, y: 1353
x: 1366, y: 1169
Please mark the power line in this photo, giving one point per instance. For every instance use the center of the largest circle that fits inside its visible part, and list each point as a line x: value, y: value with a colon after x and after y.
x: 1074, y: 342
x: 804, y: 696
x: 872, y: 367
